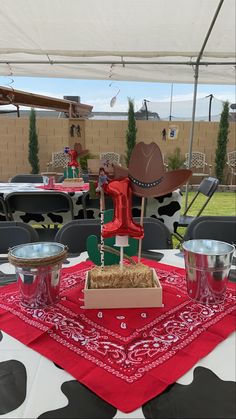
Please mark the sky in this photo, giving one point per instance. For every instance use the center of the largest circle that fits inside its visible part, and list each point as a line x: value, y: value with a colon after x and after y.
x: 99, y: 93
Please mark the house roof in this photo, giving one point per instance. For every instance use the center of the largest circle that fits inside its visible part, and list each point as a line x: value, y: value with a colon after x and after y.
x: 17, y: 97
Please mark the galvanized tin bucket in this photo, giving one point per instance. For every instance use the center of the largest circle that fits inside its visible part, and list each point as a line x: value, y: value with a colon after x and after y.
x: 38, y: 267
x: 207, y: 264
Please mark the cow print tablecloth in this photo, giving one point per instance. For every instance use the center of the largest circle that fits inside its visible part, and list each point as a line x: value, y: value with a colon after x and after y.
x: 59, y: 218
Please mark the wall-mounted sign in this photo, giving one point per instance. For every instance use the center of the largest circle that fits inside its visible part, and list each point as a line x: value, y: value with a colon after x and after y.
x: 173, y: 131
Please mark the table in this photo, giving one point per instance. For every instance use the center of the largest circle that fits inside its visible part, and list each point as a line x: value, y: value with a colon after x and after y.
x: 44, y: 393
x: 78, y: 198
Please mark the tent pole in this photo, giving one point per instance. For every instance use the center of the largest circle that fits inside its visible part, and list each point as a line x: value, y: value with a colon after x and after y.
x: 196, y: 72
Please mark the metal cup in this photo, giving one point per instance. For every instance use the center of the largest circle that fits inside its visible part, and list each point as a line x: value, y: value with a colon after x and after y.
x: 49, y: 181
x: 207, y: 264
x: 38, y: 268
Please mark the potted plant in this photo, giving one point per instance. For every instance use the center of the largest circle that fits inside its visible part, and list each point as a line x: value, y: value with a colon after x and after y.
x: 175, y: 160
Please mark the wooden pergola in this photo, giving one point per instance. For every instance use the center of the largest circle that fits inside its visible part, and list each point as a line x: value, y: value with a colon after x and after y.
x: 19, y: 98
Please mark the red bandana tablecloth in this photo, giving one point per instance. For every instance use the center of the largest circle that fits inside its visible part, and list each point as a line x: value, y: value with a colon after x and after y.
x: 126, y: 356
x: 62, y: 188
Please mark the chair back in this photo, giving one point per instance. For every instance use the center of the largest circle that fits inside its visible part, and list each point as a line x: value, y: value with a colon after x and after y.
x: 27, y: 178
x: 46, y: 208
x: 15, y: 233
x: 59, y: 159
x: 221, y: 228
x: 198, y: 162
x: 231, y: 162
x: 74, y: 234
x: 39, y: 203
x: 3, y: 210
x: 207, y: 187
x: 156, y: 234
x: 231, y: 158
x: 110, y: 157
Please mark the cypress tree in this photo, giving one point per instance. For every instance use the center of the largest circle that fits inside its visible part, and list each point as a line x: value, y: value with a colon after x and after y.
x: 222, y: 139
x: 33, y: 144
x: 131, y: 131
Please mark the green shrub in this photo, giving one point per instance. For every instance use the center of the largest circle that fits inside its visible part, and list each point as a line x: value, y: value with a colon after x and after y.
x: 131, y: 131
x: 175, y: 160
x: 222, y: 139
x: 33, y: 144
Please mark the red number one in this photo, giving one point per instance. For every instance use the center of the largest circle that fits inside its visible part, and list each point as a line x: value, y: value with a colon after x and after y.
x: 122, y: 223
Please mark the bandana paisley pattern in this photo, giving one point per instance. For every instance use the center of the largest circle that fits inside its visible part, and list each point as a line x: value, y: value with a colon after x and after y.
x: 125, y: 343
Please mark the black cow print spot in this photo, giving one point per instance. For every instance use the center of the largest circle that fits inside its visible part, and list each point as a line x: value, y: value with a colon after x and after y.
x: 1, y: 336
x: 56, y: 218
x: 32, y: 217
x: 161, y: 198
x: 80, y: 215
x: 71, y: 194
x: 169, y: 209
x: 90, y: 214
x: 82, y: 403
x: 12, y: 385
x: 79, y: 201
x: 206, y: 397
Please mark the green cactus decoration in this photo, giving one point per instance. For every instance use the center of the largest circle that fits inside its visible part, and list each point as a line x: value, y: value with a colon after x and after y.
x: 109, y: 258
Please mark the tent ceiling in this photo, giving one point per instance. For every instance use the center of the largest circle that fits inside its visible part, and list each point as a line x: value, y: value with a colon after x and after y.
x: 152, y: 40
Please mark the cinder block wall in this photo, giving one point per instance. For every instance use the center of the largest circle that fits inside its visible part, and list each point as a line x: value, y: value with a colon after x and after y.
x: 53, y: 135
x: 97, y: 136
x: 110, y: 136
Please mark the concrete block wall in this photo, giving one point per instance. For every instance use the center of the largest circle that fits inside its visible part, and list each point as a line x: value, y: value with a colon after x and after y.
x: 111, y: 136
x: 97, y: 136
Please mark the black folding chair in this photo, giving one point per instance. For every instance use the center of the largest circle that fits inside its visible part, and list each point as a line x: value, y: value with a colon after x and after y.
x: 13, y: 233
x: 3, y: 210
x: 221, y: 228
x: 27, y: 178
x: 74, y: 234
x: 207, y: 188
x: 34, y: 206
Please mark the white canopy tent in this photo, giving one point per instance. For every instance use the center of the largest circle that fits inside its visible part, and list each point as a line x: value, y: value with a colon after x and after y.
x: 178, y: 41
x: 151, y: 40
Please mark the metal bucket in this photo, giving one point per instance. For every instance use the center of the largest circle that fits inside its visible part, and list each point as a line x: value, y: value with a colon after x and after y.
x: 38, y: 268
x: 207, y: 264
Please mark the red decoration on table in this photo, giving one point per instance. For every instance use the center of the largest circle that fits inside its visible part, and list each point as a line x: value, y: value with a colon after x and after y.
x: 65, y: 188
x: 120, y: 352
x: 73, y: 159
x: 122, y: 223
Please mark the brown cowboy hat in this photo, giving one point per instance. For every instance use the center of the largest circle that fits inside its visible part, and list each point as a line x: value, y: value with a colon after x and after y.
x: 147, y: 174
